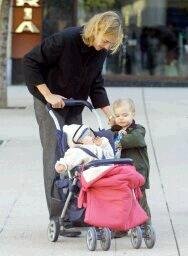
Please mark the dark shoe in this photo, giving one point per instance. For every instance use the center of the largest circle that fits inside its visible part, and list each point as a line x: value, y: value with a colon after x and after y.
x: 70, y: 233
x: 119, y: 234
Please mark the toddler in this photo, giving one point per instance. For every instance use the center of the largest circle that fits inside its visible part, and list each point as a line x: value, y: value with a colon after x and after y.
x: 130, y: 142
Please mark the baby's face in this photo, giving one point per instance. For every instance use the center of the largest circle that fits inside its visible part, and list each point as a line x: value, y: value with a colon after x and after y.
x: 88, y: 138
x: 123, y: 116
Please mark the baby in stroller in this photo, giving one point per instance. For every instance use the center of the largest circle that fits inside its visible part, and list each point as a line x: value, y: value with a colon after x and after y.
x: 84, y: 147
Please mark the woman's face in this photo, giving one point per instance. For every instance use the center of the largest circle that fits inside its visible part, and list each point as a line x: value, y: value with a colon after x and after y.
x: 105, y: 42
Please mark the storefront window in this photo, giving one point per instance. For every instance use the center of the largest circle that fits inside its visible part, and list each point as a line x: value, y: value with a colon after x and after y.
x: 57, y: 15
x: 156, y: 42
x: 157, y: 36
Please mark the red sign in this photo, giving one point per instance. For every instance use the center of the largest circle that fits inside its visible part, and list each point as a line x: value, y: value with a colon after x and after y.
x: 27, y: 26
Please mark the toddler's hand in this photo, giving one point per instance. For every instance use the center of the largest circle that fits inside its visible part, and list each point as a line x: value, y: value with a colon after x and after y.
x: 122, y: 132
x: 60, y: 168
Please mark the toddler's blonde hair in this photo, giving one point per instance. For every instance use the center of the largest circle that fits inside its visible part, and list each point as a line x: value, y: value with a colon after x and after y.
x: 106, y: 23
x: 121, y: 102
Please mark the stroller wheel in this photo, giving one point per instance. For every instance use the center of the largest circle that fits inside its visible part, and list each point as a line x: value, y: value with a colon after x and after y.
x: 105, y: 239
x: 136, y: 237
x: 53, y: 230
x: 149, y: 236
x: 91, y: 239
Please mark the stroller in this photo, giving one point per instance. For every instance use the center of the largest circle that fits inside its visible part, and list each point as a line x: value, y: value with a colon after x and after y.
x: 69, y: 188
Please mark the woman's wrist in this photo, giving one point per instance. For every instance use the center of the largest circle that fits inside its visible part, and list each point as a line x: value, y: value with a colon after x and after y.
x: 44, y: 90
x: 107, y: 112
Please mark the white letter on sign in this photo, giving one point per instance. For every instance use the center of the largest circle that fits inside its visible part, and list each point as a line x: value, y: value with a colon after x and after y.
x: 33, y: 3
x: 28, y: 13
x: 27, y: 26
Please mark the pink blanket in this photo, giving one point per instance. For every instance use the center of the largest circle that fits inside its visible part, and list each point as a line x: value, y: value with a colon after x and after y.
x: 110, y: 199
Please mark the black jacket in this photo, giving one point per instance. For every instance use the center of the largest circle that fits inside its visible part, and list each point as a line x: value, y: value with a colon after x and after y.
x: 68, y: 66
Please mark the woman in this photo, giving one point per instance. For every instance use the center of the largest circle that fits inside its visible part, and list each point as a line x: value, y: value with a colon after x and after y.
x: 69, y: 65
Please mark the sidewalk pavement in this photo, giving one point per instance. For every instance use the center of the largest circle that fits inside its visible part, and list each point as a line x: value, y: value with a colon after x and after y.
x: 23, y: 211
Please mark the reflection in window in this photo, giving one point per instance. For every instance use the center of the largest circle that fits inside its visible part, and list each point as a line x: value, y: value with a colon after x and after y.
x: 57, y: 15
x: 157, y: 33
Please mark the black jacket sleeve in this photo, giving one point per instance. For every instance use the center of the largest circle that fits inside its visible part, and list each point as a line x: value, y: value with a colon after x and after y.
x: 98, y: 93
x: 40, y: 58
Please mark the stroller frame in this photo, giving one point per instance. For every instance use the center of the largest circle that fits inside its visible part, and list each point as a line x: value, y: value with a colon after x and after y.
x: 56, y: 225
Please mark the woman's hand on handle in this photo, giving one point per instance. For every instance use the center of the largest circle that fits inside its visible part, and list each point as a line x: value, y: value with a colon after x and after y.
x: 55, y: 100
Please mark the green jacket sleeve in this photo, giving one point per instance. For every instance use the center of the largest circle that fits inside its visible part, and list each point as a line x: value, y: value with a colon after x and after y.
x: 134, y: 138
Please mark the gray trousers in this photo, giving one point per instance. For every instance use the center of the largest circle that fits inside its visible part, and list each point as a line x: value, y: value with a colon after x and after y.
x: 51, y: 153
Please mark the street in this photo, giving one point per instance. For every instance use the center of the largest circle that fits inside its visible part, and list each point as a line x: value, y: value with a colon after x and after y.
x: 23, y: 210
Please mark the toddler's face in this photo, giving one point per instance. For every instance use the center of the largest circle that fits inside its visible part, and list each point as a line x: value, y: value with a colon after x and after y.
x: 123, y: 116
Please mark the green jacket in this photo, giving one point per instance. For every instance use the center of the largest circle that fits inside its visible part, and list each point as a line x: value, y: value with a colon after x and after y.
x: 134, y: 146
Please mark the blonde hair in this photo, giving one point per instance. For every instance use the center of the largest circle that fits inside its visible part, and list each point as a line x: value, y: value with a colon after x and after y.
x: 106, y: 23
x: 121, y: 102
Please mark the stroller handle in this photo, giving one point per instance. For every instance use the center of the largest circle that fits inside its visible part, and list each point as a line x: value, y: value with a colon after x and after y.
x: 72, y: 103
